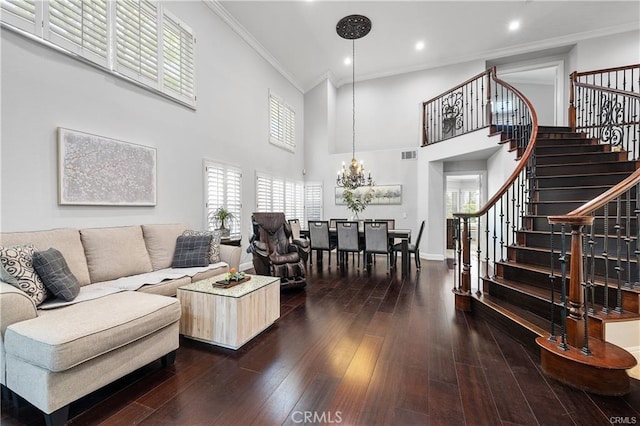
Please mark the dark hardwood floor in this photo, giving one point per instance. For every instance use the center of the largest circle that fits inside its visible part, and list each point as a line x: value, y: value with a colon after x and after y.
x: 353, y: 348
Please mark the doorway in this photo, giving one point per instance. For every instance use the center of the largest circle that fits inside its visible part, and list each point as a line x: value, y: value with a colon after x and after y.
x: 463, y: 194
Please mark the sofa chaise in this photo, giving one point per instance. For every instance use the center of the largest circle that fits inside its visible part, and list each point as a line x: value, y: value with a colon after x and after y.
x: 58, y: 352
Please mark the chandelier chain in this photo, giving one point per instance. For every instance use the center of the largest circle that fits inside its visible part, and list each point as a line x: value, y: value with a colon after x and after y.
x: 353, y: 97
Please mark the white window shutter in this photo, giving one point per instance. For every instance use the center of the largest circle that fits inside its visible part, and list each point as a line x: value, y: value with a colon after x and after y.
x: 282, y: 123
x: 178, y: 58
x: 313, y: 202
x: 223, y: 189
x: 136, y: 41
x: 78, y: 26
x: 25, y: 15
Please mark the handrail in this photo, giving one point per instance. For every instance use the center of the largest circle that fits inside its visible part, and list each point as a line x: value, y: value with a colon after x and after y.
x: 453, y: 89
x: 606, y: 70
x: 523, y: 160
x: 601, y: 200
x: 462, y: 109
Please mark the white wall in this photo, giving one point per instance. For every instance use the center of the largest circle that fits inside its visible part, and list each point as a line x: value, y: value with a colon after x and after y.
x: 43, y: 89
x: 542, y: 97
x: 606, y: 52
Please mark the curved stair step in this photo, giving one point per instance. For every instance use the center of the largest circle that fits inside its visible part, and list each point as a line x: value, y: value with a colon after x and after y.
x: 603, y: 372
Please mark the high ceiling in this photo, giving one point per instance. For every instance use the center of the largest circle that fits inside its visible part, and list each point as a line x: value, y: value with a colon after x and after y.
x: 300, y: 37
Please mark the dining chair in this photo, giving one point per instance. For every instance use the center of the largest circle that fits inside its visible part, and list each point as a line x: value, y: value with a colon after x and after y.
x: 302, y: 243
x: 376, y: 240
x: 413, y: 248
x: 348, y: 240
x: 319, y: 238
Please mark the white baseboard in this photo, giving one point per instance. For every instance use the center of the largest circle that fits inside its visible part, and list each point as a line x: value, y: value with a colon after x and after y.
x: 246, y: 266
x: 635, y: 371
x: 431, y: 256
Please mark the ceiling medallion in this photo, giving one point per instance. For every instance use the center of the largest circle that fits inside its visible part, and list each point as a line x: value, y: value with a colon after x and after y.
x: 353, y: 27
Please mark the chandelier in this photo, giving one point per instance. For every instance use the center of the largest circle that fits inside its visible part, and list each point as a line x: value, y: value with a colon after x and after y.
x: 352, y: 176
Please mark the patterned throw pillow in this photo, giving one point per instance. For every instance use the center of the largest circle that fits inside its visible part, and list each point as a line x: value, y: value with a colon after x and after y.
x: 55, y: 274
x: 191, y: 251
x: 214, y: 250
x: 18, y: 261
x: 7, y: 277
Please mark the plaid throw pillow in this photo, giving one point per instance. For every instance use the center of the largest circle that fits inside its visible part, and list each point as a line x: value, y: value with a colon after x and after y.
x: 214, y: 249
x: 191, y: 251
x: 55, y: 274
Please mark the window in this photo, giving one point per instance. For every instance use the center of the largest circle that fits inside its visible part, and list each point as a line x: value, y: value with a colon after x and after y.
x: 136, y: 39
x: 282, y: 123
x: 312, y: 202
x: 178, y: 63
x: 223, y: 189
x: 280, y: 195
x: 79, y: 27
x: 136, y: 44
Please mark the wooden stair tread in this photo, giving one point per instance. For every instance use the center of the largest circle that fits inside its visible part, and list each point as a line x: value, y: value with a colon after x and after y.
x: 519, y: 315
x: 586, y: 175
x: 603, y: 354
x: 531, y: 290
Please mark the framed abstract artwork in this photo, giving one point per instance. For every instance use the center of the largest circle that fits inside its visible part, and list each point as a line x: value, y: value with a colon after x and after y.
x: 97, y: 170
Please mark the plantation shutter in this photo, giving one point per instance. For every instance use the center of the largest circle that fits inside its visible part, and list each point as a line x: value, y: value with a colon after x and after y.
x: 79, y: 26
x: 263, y: 193
x: 178, y: 58
x: 282, y: 123
x: 313, y: 202
x: 277, y: 194
x: 137, y: 40
x: 23, y: 14
x: 223, y: 189
x: 233, y: 199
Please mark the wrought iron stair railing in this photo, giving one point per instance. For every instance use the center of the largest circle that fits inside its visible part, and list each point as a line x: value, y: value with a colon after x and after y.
x: 498, y: 221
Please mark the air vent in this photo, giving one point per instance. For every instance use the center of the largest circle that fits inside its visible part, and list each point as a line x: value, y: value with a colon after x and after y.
x: 409, y: 155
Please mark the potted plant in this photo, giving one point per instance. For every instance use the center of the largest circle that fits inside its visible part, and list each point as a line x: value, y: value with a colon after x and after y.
x: 357, y: 201
x: 219, y: 218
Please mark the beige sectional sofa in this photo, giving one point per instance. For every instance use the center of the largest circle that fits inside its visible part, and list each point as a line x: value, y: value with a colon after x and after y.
x: 52, y: 356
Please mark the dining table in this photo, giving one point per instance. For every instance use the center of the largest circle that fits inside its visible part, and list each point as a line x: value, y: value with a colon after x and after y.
x: 404, y: 235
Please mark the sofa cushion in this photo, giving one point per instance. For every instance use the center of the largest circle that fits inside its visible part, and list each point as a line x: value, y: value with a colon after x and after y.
x: 191, y: 251
x: 214, y: 248
x: 115, y: 252
x: 55, y: 274
x: 65, y: 239
x: 87, y: 330
x: 18, y: 261
x: 161, y: 243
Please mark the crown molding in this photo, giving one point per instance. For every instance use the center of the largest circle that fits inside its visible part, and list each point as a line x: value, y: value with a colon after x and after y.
x: 498, y: 53
x: 228, y: 19
x: 327, y: 75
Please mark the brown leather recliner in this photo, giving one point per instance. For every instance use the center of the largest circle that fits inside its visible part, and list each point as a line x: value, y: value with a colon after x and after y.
x: 273, y: 253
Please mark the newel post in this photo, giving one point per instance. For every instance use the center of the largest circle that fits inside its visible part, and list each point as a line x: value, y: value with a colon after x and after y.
x: 572, y: 107
x: 463, y: 294
x: 575, y: 336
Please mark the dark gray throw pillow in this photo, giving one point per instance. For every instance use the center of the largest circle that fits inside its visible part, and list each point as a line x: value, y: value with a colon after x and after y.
x: 191, y: 251
x: 55, y: 274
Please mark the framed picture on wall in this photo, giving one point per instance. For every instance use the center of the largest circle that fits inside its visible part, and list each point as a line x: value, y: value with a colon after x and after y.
x: 97, y: 170
x: 382, y: 194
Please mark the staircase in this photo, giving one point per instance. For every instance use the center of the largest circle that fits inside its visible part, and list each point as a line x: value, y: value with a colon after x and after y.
x: 554, y: 254
x: 570, y: 170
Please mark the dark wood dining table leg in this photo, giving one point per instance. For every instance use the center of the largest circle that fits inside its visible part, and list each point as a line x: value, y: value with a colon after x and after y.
x: 405, y: 256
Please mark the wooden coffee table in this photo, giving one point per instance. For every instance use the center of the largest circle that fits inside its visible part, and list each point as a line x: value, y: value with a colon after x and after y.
x: 229, y: 317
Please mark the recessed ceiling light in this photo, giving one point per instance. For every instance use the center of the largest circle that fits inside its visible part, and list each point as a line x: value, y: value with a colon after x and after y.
x: 347, y: 61
x: 514, y: 25
x: 420, y: 45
